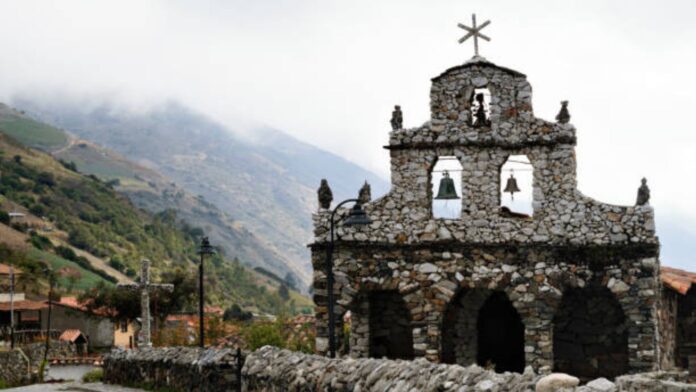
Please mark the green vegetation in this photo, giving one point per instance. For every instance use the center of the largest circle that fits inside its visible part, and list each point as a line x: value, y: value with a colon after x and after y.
x: 280, y: 334
x: 65, y: 269
x: 32, y: 133
x: 95, y: 375
x: 106, y: 224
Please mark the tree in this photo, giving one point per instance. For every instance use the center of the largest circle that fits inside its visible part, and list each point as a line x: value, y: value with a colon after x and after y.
x: 235, y: 312
x: 284, y: 292
x: 4, y: 217
x: 290, y: 280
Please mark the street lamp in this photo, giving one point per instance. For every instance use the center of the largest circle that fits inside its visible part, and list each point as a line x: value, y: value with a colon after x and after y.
x: 51, y: 281
x: 204, y: 250
x: 355, y: 217
x: 12, y: 288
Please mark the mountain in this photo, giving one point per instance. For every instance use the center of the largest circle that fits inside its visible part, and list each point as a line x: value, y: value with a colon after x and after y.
x: 90, y: 233
x: 267, y: 181
x: 145, y: 187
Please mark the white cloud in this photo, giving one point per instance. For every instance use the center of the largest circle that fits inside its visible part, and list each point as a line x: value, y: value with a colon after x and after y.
x: 329, y: 72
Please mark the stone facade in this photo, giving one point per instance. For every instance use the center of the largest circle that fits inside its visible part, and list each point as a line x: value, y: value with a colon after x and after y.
x: 467, y: 283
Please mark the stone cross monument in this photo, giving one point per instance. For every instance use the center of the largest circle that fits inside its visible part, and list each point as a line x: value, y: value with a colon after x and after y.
x: 144, y: 340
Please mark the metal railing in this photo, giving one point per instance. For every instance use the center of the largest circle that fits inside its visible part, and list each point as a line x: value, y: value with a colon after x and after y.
x: 26, y: 336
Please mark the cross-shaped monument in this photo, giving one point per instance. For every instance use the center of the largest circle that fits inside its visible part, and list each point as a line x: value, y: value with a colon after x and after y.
x: 474, y: 31
x: 144, y: 285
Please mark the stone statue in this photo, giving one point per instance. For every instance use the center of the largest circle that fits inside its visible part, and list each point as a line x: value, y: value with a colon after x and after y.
x: 563, y: 115
x: 325, y: 195
x: 480, y: 118
x: 397, y: 120
x: 643, y: 193
x: 365, y: 194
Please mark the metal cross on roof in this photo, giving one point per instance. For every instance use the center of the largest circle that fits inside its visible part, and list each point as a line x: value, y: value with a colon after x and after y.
x: 474, y: 31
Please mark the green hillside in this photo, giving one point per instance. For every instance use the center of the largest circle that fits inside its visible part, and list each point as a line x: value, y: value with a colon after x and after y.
x: 30, y: 132
x: 106, y: 224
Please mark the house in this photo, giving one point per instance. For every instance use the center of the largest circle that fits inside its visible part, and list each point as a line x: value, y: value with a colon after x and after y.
x: 126, y: 333
x: 76, y: 337
x: 677, y: 313
x: 27, y: 314
x: 69, y: 313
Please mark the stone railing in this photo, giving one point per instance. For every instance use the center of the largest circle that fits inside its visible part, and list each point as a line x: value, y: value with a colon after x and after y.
x: 174, y: 368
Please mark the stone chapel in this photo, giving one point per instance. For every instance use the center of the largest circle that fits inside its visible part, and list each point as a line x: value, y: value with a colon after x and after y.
x: 572, y: 286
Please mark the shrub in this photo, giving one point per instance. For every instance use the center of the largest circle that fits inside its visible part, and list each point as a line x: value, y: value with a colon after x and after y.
x: 40, y: 242
x: 4, y: 217
x: 262, y: 334
x: 95, y: 375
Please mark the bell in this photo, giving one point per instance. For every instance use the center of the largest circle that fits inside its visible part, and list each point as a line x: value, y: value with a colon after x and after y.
x: 511, y: 186
x: 447, y: 191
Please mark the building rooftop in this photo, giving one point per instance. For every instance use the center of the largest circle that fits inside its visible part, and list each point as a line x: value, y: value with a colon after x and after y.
x: 678, y: 280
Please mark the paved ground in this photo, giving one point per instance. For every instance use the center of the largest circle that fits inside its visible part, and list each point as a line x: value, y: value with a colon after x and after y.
x: 71, y: 373
x: 73, y: 387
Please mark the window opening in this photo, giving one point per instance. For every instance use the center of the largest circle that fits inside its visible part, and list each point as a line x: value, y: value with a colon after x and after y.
x: 446, y: 183
x: 481, y: 108
x: 516, y: 187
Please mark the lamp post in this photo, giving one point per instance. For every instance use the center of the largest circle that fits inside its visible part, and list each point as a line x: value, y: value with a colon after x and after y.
x: 12, y: 284
x: 355, y: 217
x: 51, y: 281
x: 205, y: 249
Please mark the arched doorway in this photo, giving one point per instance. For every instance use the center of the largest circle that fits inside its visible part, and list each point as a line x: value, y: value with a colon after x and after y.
x: 500, y: 335
x: 391, y: 335
x: 481, y: 326
x: 590, y: 338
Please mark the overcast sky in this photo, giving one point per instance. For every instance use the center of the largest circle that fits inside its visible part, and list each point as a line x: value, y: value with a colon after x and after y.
x: 329, y: 72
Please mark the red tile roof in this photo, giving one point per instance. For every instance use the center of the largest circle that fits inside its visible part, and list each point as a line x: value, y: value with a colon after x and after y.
x: 74, y: 303
x: 71, y: 335
x: 677, y: 280
x: 5, y: 270
x: 23, y: 305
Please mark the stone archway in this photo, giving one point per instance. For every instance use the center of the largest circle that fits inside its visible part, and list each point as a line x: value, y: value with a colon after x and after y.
x: 590, y: 334
x: 390, y: 331
x: 500, y: 335
x: 482, y: 326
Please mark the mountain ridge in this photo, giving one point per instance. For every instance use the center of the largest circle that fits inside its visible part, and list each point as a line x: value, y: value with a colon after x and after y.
x: 270, y: 186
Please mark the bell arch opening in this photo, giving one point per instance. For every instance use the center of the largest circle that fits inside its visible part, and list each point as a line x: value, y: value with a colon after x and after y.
x: 500, y: 335
x: 480, y: 108
x: 517, y: 187
x: 390, y: 331
x: 446, y: 188
x: 590, y: 334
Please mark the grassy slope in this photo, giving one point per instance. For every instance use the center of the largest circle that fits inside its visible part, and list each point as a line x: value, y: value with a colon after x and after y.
x: 29, y: 132
x: 110, y: 224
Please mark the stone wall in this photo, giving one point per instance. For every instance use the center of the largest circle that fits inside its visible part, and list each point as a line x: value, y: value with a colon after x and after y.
x: 15, y: 368
x: 686, y: 331
x: 20, y: 365
x: 57, y: 349
x: 271, y: 369
x: 175, y: 368
x: 667, y: 318
x: 431, y: 280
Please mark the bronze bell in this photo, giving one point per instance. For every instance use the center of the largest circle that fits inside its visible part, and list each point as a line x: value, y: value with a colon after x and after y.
x: 511, y: 186
x: 447, y: 191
